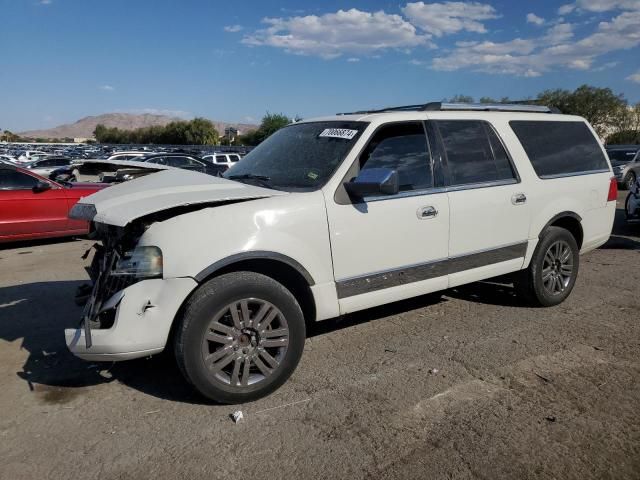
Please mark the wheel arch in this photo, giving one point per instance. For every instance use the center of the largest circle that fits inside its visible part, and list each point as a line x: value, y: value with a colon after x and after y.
x: 283, y: 269
x: 568, y: 220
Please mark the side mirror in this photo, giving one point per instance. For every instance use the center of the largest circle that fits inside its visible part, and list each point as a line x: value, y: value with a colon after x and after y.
x: 41, y: 187
x: 374, y: 181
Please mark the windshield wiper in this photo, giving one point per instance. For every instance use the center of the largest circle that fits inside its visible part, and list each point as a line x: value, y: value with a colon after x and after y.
x: 262, y: 179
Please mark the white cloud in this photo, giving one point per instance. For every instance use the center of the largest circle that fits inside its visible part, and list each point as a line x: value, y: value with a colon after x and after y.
x: 599, y: 6
x: 558, y: 33
x: 334, y: 34
x: 557, y: 48
x: 566, y: 9
x: 107, y: 88
x: 607, y: 5
x: 634, y: 77
x: 517, y: 46
x: 353, y: 59
x: 45, y: 2
x: 534, y: 19
x: 233, y: 28
x: 449, y: 17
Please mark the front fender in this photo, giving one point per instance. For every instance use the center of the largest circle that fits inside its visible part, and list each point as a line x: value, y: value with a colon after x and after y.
x: 292, y: 227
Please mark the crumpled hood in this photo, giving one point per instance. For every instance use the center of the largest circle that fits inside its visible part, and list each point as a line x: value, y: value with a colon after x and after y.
x: 121, y: 204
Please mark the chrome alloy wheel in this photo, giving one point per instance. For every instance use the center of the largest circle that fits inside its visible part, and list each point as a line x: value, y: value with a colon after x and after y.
x: 557, y: 267
x: 245, y: 342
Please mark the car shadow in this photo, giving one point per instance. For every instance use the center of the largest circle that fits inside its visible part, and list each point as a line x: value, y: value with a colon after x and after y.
x: 624, y: 235
x: 40, y: 242
x: 372, y: 314
x: 499, y: 292
x: 37, y: 314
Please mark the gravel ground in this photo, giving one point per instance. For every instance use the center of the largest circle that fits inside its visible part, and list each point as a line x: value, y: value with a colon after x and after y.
x: 467, y: 386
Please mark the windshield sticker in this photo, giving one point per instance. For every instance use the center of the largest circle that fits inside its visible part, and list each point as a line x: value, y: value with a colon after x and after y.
x: 312, y: 175
x: 344, y: 133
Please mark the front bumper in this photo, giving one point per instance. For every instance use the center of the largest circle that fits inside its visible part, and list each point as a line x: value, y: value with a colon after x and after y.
x: 144, y: 313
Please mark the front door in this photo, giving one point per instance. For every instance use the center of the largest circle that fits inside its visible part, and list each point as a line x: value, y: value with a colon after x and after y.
x: 387, y: 248
x: 25, y: 212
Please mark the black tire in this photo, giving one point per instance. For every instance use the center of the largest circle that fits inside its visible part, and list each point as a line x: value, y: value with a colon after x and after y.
x: 247, y: 345
x: 529, y: 283
x: 629, y: 180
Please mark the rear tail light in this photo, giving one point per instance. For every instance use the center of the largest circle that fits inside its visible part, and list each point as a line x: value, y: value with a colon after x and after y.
x: 613, y: 190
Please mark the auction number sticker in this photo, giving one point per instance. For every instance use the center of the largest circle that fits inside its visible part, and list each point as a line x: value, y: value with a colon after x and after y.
x: 344, y: 133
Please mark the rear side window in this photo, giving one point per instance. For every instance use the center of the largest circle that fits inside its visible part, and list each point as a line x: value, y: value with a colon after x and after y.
x: 401, y: 147
x: 560, y: 148
x: 474, y: 153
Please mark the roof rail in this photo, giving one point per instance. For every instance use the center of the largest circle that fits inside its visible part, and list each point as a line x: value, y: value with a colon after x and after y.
x: 490, y: 107
x: 460, y: 107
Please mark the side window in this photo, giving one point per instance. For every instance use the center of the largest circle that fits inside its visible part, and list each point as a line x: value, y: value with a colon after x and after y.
x: 401, y: 147
x: 158, y: 160
x: 179, y: 162
x: 559, y: 148
x: 234, y: 158
x: 12, y: 180
x: 193, y: 162
x: 62, y: 162
x: 221, y: 159
x: 474, y: 153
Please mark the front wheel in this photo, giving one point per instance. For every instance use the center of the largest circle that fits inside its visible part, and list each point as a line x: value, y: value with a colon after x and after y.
x: 553, y: 270
x: 241, y: 337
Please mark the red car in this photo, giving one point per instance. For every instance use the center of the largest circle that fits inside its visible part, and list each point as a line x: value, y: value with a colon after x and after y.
x: 32, y: 206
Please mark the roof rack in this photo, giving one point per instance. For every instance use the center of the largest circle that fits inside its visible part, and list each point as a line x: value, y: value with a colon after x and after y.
x: 461, y: 107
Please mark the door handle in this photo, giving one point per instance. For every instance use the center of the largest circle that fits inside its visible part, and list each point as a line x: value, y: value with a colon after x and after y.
x: 427, y: 212
x: 519, y: 199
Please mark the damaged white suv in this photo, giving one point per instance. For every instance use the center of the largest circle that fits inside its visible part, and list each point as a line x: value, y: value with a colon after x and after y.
x: 333, y: 215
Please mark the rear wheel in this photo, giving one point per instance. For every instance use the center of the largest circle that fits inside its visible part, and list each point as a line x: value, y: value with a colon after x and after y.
x: 240, y: 338
x: 629, y: 180
x: 553, y: 270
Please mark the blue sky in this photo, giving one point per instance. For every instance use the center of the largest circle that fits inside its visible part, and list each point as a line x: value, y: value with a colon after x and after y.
x: 65, y: 59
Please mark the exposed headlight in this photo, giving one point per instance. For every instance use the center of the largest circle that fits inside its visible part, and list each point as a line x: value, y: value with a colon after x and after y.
x: 141, y: 262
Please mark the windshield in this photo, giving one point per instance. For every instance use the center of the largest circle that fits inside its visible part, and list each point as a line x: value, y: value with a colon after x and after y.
x: 299, y: 157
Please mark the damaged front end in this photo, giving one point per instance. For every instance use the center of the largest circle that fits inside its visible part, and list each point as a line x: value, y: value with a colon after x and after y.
x: 116, y: 265
x: 129, y: 309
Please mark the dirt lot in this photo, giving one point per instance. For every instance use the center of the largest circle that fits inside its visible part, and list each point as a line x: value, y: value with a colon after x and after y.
x: 472, y: 385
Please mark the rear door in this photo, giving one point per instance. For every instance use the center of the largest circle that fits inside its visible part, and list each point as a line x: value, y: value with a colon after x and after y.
x: 25, y: 212
x: 488, y: 211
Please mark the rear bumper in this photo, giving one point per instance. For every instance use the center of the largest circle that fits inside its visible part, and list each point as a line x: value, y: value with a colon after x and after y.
x: 144, y: 313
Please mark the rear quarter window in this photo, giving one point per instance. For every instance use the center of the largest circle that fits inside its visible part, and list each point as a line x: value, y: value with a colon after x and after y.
x: 560, y: 148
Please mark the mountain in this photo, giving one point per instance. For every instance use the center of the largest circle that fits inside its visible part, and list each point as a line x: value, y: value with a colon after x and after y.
x: 84, y: 127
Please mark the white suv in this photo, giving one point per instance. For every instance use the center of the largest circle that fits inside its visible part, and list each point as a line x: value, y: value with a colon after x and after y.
x: 333, y: 215
x: 226, y: 159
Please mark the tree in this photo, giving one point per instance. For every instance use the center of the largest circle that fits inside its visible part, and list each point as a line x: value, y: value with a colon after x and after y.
x: 271, y: 123
x: 460, y: 99
x: 198, y: 131
x: 600, y: 106
x: 8, y: 136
